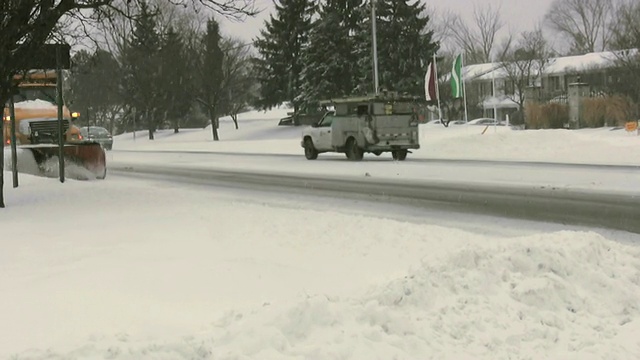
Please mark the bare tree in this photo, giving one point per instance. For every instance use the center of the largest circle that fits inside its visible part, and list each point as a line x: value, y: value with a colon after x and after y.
x: 625, y: 32
x: 585, y: 23
x: 236, y: 76
x: 523, y: 64
x: 626, y: 39
x: 441, y: 23
x: 478, y: 39
x: 26, y: 25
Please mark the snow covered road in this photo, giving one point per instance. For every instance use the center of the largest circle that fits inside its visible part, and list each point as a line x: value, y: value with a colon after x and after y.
x: 510, y: 189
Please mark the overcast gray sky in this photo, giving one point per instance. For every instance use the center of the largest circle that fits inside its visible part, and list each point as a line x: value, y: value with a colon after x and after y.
x: 518, y: 14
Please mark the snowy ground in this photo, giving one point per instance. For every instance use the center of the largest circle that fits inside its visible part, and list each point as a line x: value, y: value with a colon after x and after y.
x: 258, y: 133
x: 131, y: 269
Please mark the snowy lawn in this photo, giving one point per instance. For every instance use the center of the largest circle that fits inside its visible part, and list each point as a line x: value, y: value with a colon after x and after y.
x: 258, y: 133
x: 126, y: 269
x: 131, y: 269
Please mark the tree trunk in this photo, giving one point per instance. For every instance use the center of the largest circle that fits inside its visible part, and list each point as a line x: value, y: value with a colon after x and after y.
x: 176, y: 125
x: 112, y: 121
x: 150, y: 127
x: 214, y: 124
x: 234, y: 117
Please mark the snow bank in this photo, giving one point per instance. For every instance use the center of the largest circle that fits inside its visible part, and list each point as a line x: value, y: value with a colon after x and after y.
x: 26, y: 162
x: 547, y: 296
x: 50, y: 168
x: 610, y: 146
x: 563, y: 295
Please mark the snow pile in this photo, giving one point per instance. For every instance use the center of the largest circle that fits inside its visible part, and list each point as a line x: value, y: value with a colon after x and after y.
x: 34, y: 104
x: 26, y: 162
x: 551, y: 296
x: 50, y: 168
x: 563, y: 295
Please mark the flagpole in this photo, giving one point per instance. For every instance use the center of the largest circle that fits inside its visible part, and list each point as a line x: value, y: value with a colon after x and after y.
x: 435, y: 73
x: 374, y: 47
x: 464, y: 89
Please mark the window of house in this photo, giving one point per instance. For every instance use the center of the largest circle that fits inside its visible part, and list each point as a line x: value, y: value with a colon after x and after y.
x: 554, y: 83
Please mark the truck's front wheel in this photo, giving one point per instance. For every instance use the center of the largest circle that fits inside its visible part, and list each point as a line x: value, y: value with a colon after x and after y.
x: 399, y: 155
x: 354, y: 152
x: 310, y: 151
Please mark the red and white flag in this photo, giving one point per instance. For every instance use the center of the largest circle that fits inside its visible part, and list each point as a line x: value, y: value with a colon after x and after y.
x: 430, y: 89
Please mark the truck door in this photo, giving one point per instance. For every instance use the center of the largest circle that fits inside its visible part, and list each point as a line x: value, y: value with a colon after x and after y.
x: 324, y: 133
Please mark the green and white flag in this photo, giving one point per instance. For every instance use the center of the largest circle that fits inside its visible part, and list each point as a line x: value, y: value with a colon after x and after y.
x: 456, y: 78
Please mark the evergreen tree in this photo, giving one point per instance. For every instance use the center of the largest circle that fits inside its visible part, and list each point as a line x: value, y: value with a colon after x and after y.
x: 141, y: 67
x: 174, y: 79
x: 210, y: 74
x: 93, y: 90
x: 280, y: 45
x: 330, y: 59
x: 405, y: 46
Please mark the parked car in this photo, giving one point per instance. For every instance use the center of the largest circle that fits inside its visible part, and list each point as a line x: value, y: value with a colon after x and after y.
x: 482, y: 121
x: 486, y: 121
x: 99, y: 135
x: 451, y: 122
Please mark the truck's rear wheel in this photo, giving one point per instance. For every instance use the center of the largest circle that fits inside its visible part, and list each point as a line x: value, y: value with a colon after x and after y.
x: 310, y: 151
x: 399, y: 155
x: 354, y: 152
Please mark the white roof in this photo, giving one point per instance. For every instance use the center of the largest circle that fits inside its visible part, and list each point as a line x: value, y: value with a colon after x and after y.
x: 500, y: 102
x: 584, y: 62
x: 559, y: 65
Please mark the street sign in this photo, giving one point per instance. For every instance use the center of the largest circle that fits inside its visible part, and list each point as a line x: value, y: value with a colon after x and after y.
x: 631, y: 126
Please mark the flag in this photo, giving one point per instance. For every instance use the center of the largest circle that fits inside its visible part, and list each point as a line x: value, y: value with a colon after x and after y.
x: 456, y: 78
x: 430, y: 83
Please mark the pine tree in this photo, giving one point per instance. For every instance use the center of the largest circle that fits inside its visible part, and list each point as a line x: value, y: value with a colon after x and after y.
x: 175, y: 79
x: 211, y: 88
x: 280, y: 45
x: 141, y: 62
x: 99, y: 104
x: 330, y: 59
x: 404, y: 43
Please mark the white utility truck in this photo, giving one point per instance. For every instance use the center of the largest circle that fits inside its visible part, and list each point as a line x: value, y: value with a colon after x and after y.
x: 387, y: 122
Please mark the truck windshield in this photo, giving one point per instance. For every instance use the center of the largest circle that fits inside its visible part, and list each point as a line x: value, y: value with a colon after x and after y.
x: 46, y: 93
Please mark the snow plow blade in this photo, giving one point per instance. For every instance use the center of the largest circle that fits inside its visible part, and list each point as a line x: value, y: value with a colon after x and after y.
x: 82, y: 161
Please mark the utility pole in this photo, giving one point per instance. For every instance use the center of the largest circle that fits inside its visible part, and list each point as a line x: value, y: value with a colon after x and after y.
x: 61, y: 131
x: 2, y: 159
x: 374, y: 47
x: 14, y: 145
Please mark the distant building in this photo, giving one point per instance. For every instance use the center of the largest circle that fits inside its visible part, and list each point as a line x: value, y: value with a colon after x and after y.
x: 490, y: 84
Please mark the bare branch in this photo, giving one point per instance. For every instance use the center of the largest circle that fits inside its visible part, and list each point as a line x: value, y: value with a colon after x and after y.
x: 478, y: 40
x: 585, y: 23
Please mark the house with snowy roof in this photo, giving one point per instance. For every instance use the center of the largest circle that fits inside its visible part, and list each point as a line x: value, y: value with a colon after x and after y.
x: 497, y: 97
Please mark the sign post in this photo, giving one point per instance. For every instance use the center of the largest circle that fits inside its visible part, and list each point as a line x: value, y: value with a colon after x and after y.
x: 61, y: 132
x: 14, y: 145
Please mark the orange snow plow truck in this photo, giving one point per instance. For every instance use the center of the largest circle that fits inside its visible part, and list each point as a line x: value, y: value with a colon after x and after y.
x: 36, y: 125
